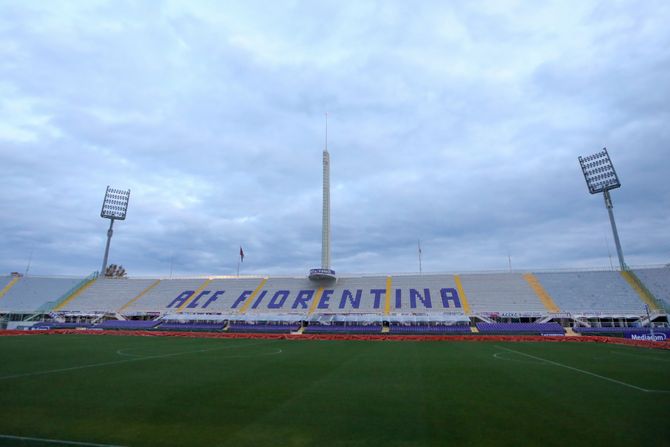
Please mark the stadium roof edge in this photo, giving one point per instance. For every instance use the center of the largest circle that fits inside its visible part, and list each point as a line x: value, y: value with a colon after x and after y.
x: 368, y: 274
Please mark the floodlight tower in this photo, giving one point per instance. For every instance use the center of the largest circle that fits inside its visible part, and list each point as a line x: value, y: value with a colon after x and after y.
x: 600, y: 176
x: 114, y: 207
x: 325, y: 272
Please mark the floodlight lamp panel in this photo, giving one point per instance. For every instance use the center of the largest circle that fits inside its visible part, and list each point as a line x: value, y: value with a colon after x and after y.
x: 599, y: 172
x: 115, y: 204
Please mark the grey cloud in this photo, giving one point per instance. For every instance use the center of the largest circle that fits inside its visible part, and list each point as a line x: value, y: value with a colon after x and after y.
x: 456, y: 125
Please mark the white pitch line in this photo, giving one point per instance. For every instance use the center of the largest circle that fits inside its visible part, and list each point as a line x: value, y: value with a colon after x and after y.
x: 497, y: 355
x: 117, y: 362
x: 609, y: 379
x: 122, y: 353
x: 56, y: 441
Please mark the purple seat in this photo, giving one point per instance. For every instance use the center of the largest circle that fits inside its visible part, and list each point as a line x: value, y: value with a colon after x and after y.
x: 263, y: 327
x: 343, y: 329
x: 521, y: 328
x: 191, y: 326
x: 428, y: 329
x: 128, y: 324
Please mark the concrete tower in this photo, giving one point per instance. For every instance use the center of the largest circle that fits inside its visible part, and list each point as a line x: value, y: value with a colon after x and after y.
x: 325, y: 271
x: 325, y: 223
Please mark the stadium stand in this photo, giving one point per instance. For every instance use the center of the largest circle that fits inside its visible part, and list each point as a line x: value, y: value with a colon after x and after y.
x: 317, y: 328
x: 5, y: 281
x: 357, y: 295
x: 438, y: 329
x: 128, y: 324
x: 501, y: 292
x: 422, y: 304
x: 425, y: 294
x: 619, y: 330
x: 520, y: 328
x: 226, y: 295
x: 263, y: 327
x: 107, y: 295
x: 59, y: 325
x: 657, y: 281
x: 592, y: 293
x: 182, y: 326
x: 32, y: 294
x: 167, y: 295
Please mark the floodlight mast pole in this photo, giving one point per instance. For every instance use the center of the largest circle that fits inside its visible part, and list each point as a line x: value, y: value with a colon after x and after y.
x: 114, y: 207
x: 109, y: 240
x: 601, y: 176
x: 610, y: 207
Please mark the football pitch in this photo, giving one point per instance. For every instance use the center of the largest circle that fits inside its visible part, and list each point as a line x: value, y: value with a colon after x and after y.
x: 161, y: 391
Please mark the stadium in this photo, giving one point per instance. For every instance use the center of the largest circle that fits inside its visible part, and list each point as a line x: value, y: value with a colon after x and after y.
x: 456, y: 124
x: 416, y: 355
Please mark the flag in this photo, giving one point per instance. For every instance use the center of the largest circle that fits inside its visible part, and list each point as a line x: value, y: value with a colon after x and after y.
x: 241, y: 254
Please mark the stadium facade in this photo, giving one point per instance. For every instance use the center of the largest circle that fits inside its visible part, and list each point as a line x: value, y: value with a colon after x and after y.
x: 627, y: 303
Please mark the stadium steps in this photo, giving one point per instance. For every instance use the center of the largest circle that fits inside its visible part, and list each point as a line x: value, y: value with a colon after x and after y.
x: 9, y: 285
x: 77, y: 290
x: 387, y: 297
x: 644, y: 294
x: 541, y: 293
x: 569, y: 332
x: 141, y: 294
x: 386, y: 330
x: 317, y: 298
x: 461, y: 294
x: 194, y: 296
x: 253, y: 295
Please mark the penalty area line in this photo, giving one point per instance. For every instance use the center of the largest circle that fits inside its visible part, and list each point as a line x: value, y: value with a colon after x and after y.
x: 56, y: 441
x: 589, y: 373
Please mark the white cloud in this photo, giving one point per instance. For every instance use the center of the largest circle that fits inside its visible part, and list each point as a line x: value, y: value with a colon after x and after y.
x: 456, y: 124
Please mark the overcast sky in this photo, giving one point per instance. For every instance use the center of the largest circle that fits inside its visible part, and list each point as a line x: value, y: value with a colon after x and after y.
x: 456, y: 123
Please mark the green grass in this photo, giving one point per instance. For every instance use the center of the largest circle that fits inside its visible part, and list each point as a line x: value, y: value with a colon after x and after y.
x: 159, y: 391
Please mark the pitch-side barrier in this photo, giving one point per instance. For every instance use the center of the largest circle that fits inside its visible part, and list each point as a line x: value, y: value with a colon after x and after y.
x: 356, y: 337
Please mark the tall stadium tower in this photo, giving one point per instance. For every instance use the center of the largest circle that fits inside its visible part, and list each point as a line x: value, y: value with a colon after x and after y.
x: 325, y: 272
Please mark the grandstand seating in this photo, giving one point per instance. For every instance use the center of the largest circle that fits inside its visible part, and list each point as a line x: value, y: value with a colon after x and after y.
x: 353, y: 295
x: 343, y: 329
x: 191, y: 326
x: 501, y: 292
x: 592, y: 293
x: 520, y: 328
x: 163, y: 297
x: 263, y: 327
x: 31, y: 294
x: 233, y: 289
x: 284, y: 295
x: 619, y: 330
x: 4, y: 280
x: 107, y: 295
x: 425, y: 294
x: 128, y: 324
x: 58, y: 325
x: 657, y: 281
x: 429, y: 329
x: 432, y: 303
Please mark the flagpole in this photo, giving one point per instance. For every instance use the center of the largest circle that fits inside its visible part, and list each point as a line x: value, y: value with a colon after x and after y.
x: 420, y: 267
x: 239, y: 261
